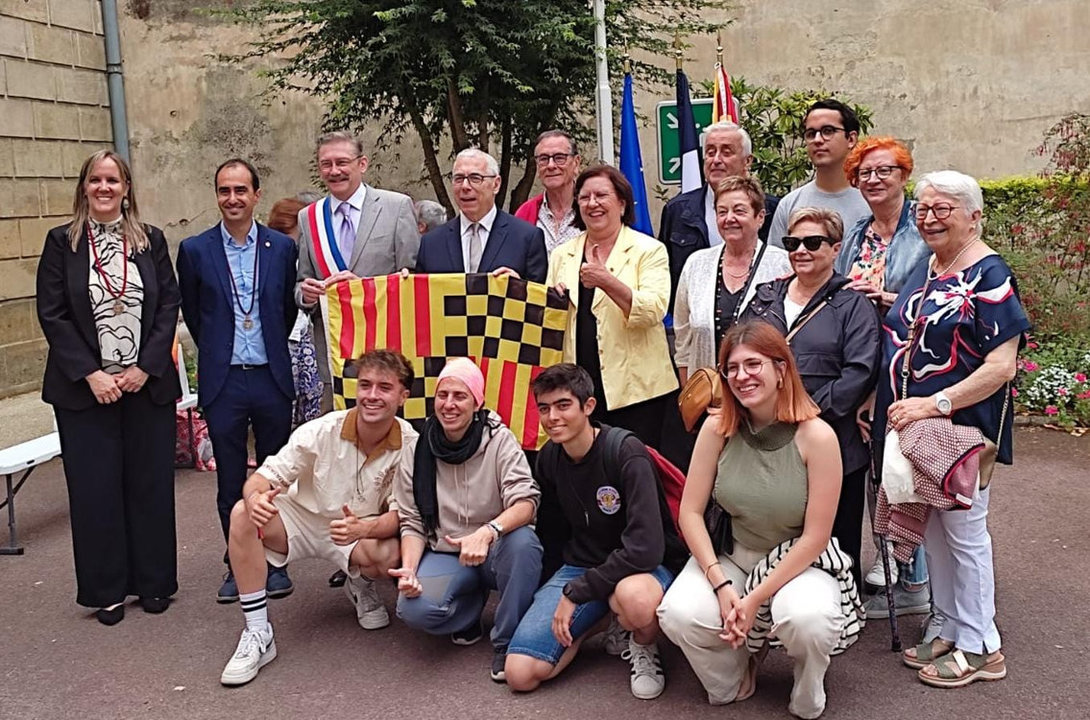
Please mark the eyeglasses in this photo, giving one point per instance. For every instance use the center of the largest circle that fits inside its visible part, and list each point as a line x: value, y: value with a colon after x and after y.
x: 941, y: 211
x: 558, y: 159
x: 340, y: 164
x: 882, y: 172
x: 596, y: 197
x: 810, y: 242
x: 752, y: 366
x: 474, y: 179
x: 826, y: 131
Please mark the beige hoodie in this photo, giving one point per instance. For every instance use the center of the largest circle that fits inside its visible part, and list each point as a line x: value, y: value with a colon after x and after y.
x: 492, y: 480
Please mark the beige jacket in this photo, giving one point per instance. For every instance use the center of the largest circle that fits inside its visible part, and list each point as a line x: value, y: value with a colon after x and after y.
x: 492, y: 480
x: 634, y: 356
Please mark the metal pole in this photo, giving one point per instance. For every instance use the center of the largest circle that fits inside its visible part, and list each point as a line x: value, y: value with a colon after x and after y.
x: 604, y: 96
x: 115, y: 84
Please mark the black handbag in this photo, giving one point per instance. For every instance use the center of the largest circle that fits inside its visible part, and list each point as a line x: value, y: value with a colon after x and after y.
x: 717, y: 520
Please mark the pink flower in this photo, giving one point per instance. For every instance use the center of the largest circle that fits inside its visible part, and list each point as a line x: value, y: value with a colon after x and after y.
x: 1014, y: 392
x: 1032, y: 345
x: 1080, y: 377
x: 1062, y: 392
x: 1085, y: 395
x: 1051, y: 410
x: 1031, y: 366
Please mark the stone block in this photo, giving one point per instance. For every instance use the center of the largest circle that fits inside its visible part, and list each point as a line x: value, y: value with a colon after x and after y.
x: 18, y: 198
x: 12, y: 37
x: 18, y: 322
x: 75, y: 14
x: 37, y: 10
x: 21, y: 366
x: 17, y: 278
x: 32, y: 231
x: 83, y: 87
x: 37, y: 158
x: 51, y: 44
x: 16, y: 118
x: 10, y: 244
x: 91, y: 51
x: 95, y: 124
x: 56, y: 196
x: 56, y: 121
x: 30, y: 80
x: 7, y: 158
x: 74, y: 153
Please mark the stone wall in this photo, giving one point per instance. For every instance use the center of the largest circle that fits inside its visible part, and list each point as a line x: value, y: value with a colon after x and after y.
x: 53, y: 113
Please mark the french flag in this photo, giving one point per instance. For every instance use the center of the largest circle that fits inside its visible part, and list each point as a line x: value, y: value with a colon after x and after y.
x: 692, y: 172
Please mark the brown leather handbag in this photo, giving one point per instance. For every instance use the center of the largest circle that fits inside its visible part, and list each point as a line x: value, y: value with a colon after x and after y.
x: 703, y: 390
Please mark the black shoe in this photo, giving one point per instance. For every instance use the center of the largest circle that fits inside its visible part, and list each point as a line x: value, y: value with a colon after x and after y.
x: 111, y: 616
x: 338, y: 579
x: 278, y: 584
x: 155, y: 605
x: 228, y: 592
x: 499, y: 659
x: 468, y: 636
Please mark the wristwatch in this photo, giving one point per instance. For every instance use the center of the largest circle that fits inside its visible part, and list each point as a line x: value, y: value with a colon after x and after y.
x: 943, y: 404
x: 496, y: 528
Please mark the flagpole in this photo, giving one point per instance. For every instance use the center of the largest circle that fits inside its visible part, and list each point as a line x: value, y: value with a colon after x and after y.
x: 604, y: 99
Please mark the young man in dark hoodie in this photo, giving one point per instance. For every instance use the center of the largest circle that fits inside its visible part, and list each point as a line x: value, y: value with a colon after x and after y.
x: 622, y: 549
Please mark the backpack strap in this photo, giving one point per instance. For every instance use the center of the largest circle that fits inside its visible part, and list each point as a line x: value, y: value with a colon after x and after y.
x: 612, y: 439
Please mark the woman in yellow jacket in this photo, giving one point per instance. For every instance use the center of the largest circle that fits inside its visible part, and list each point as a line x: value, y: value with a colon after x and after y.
x: 618, y: 281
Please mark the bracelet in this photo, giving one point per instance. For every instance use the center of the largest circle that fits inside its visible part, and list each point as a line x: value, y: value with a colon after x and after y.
x: 722, y: 585
x: 710, y: 566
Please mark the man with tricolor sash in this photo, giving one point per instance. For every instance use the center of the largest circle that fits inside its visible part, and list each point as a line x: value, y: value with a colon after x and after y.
x: 354, y: 231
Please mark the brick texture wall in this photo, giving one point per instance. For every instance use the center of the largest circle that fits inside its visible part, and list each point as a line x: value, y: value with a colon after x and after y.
x: 53, y: 114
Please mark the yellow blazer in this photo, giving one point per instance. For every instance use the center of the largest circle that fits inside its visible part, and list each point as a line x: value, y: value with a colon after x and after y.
x: 633, y: 353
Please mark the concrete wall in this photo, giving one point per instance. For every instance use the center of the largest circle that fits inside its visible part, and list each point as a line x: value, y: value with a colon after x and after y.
x: 53, y: 113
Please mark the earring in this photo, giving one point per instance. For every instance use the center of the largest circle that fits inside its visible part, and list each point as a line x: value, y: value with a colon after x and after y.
x: 124, y: 203
x: 779, y: 383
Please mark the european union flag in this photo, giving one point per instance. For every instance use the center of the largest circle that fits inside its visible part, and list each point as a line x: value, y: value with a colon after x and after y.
x: 632, y: 159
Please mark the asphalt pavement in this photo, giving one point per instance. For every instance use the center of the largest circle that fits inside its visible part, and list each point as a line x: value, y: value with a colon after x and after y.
x: 57, y: 661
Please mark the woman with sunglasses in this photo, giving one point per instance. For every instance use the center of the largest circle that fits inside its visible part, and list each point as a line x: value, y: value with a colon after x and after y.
x: 833, y: 332
x: 949, y: 349
x: 774, y: 465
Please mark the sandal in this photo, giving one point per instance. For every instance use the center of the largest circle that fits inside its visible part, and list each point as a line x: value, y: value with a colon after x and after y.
x: 926, y: 653
x: 960, y: 668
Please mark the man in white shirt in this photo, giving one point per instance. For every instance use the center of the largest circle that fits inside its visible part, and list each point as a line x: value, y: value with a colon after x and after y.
x: 327, y: 494
x: 830, y: 129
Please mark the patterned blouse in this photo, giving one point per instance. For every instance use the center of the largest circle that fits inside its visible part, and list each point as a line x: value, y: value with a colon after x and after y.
x: 117, y: 296
x: 871, y: 263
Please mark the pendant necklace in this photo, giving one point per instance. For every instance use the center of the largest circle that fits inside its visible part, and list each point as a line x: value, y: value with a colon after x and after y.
x: 247, y: 321
x: 119, y: 304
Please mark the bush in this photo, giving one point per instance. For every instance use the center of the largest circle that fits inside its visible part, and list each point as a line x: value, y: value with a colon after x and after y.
x: 1054, y: 380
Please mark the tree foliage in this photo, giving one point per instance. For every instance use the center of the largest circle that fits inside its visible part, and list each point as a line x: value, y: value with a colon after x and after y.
x: 486, y: 73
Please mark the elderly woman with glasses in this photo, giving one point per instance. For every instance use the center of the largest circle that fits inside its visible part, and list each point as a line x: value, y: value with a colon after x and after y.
x: 949, y: 349
x: 833, y: 334
x: 618, y: 281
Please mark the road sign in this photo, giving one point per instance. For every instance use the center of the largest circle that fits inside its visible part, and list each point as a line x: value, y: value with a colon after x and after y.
x: 669, y: 146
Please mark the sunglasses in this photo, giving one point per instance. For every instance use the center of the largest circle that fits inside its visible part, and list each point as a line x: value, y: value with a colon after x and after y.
x: 811, y: 242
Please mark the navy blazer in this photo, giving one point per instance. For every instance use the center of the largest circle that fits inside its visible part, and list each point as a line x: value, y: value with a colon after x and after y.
x: 684, y: 231
x: 208, y: 305
x: 513, y: 243
x: 64, y: 311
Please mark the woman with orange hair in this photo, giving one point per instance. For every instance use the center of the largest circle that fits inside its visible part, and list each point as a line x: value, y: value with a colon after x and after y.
x: 774, y: 466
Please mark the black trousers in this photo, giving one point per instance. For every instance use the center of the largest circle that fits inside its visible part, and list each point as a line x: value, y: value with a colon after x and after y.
x: 248, y: 397
x: 848, y: 524
x: 119, y: 467
x: 644, y: 419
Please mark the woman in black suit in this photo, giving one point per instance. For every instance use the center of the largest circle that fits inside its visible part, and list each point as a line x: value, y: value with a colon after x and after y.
x: 108, y: 306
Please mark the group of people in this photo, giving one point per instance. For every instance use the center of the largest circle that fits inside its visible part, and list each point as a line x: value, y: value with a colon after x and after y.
x: 834, y: 316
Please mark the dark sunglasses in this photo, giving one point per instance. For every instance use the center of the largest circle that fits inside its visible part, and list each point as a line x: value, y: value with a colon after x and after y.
x: 812, y: 242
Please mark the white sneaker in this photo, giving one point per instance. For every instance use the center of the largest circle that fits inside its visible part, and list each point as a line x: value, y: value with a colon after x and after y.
x: 647, y: 681
x: 615, y: 638
x: 370, y: 612
x: 876, y: 576
x: 255, y: 650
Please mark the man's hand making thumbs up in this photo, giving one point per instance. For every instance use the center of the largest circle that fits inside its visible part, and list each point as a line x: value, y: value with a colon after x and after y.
x: 260, y: 506
x: 473, y: 548
x: 350, y: 529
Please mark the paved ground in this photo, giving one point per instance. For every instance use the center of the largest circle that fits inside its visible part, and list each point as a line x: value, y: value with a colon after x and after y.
x: 56, y: 661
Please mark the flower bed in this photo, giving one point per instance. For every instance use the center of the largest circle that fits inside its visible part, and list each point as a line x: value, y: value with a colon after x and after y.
x: 1054, y: 381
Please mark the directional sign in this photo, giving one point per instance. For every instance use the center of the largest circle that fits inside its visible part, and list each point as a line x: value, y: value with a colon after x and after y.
x: 669, y: 145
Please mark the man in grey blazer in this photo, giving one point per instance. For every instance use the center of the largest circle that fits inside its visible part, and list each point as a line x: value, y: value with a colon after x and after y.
x: 355, y: 231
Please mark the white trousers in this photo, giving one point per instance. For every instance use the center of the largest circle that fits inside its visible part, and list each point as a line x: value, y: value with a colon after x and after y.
x: 806, y: 617
x: 959, y: 558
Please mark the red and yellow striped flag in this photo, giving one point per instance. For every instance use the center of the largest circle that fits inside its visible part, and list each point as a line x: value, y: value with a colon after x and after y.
x: 723, y: 107
x: 511, y: 328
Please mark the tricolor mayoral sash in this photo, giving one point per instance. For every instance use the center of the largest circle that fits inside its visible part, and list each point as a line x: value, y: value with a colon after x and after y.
x: 327, y: 255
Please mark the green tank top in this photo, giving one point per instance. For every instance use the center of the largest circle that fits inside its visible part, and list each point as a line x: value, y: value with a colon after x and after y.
x: 761, y: 482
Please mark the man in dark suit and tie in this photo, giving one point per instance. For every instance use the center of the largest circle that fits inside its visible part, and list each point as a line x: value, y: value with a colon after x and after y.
x: 238, y: 281
x: 482, y: 238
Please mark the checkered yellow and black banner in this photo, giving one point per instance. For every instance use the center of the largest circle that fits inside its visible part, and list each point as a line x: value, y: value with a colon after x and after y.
x: 511, y: 328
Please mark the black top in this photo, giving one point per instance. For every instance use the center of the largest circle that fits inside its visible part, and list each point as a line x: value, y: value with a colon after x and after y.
x: 586, y: 342
x: 726, y: 305
x: 617, y: 525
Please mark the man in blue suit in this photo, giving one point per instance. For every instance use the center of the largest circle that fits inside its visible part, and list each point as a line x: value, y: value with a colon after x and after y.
x: 482, y: 238
x: 238, y: 282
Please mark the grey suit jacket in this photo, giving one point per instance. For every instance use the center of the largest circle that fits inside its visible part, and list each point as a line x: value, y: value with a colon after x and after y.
x: 387, y: 240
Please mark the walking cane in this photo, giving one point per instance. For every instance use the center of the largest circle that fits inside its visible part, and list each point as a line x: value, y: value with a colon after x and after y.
x: 894, y: 636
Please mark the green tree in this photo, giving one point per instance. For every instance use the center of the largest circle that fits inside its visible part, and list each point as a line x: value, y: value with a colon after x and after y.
x: 485, y: 73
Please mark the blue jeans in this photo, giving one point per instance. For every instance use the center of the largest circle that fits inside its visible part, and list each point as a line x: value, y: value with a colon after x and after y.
x: 534, y: 636
x: 914, y: 572
x: 454, y: 595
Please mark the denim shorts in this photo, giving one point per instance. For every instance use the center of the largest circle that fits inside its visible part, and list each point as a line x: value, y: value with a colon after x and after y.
x: 534, y: 636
